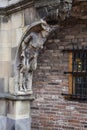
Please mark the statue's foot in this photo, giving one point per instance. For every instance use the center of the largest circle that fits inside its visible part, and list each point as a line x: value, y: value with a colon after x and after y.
x: 27, y: 92
x: 21, y: 89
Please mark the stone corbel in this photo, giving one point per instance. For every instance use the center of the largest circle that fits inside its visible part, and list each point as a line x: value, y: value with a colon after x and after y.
x: 26, y: 57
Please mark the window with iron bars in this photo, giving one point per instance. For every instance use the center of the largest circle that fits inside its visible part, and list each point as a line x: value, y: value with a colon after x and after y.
x: 77, y: 73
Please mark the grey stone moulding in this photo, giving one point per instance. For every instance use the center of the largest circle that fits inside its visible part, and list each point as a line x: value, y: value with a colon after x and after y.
x: 8, y: 96
x: 16, y: 7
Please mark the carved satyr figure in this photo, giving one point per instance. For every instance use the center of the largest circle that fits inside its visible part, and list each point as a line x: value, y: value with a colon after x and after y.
x: 26, y: 58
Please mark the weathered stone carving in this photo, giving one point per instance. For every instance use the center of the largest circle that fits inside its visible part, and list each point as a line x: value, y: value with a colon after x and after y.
x: 54, y: 10
x: 79, y: 9
x: 26, y: 58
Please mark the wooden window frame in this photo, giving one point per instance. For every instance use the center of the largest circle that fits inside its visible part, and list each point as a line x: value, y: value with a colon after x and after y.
x: 70, y: 75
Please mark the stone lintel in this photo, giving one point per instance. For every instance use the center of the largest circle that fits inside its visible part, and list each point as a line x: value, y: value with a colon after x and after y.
x: 8, y: 96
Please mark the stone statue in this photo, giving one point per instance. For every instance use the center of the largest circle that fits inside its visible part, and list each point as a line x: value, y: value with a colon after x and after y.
x: 26, y: 58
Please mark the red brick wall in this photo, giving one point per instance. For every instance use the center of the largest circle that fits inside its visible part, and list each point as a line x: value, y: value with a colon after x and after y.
x: 50, y: 111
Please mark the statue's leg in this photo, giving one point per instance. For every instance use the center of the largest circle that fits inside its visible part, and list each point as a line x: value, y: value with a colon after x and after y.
x: 21, y: 82
x: 29, y: 81
x: 17, y: 81
x: 24, y: 82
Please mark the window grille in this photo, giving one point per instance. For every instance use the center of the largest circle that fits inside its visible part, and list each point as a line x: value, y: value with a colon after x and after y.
x: 77, y: 72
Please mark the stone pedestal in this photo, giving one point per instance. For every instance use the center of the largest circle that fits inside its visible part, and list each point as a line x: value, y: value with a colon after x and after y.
x: 18, y: 116
x: 15, y: 112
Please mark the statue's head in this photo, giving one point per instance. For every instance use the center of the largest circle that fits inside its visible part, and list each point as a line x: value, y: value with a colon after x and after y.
x: 45, y: 26
x: 45, y: 29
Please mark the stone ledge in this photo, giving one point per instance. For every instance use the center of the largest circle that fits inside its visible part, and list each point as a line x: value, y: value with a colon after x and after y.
x: 8, y: 96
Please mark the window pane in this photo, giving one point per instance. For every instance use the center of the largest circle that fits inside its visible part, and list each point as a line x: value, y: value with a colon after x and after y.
x: 79, y: 66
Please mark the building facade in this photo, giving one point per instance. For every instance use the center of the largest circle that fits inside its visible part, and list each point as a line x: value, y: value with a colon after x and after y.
x: 52, y: 37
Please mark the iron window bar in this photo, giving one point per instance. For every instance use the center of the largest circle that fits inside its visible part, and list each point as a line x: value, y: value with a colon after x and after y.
x: 77, y: 73
x: 73, y: 50
x: 73, y: 96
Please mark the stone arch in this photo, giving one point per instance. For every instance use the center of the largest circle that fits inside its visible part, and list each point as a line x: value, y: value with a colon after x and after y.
x: 26, y: 57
